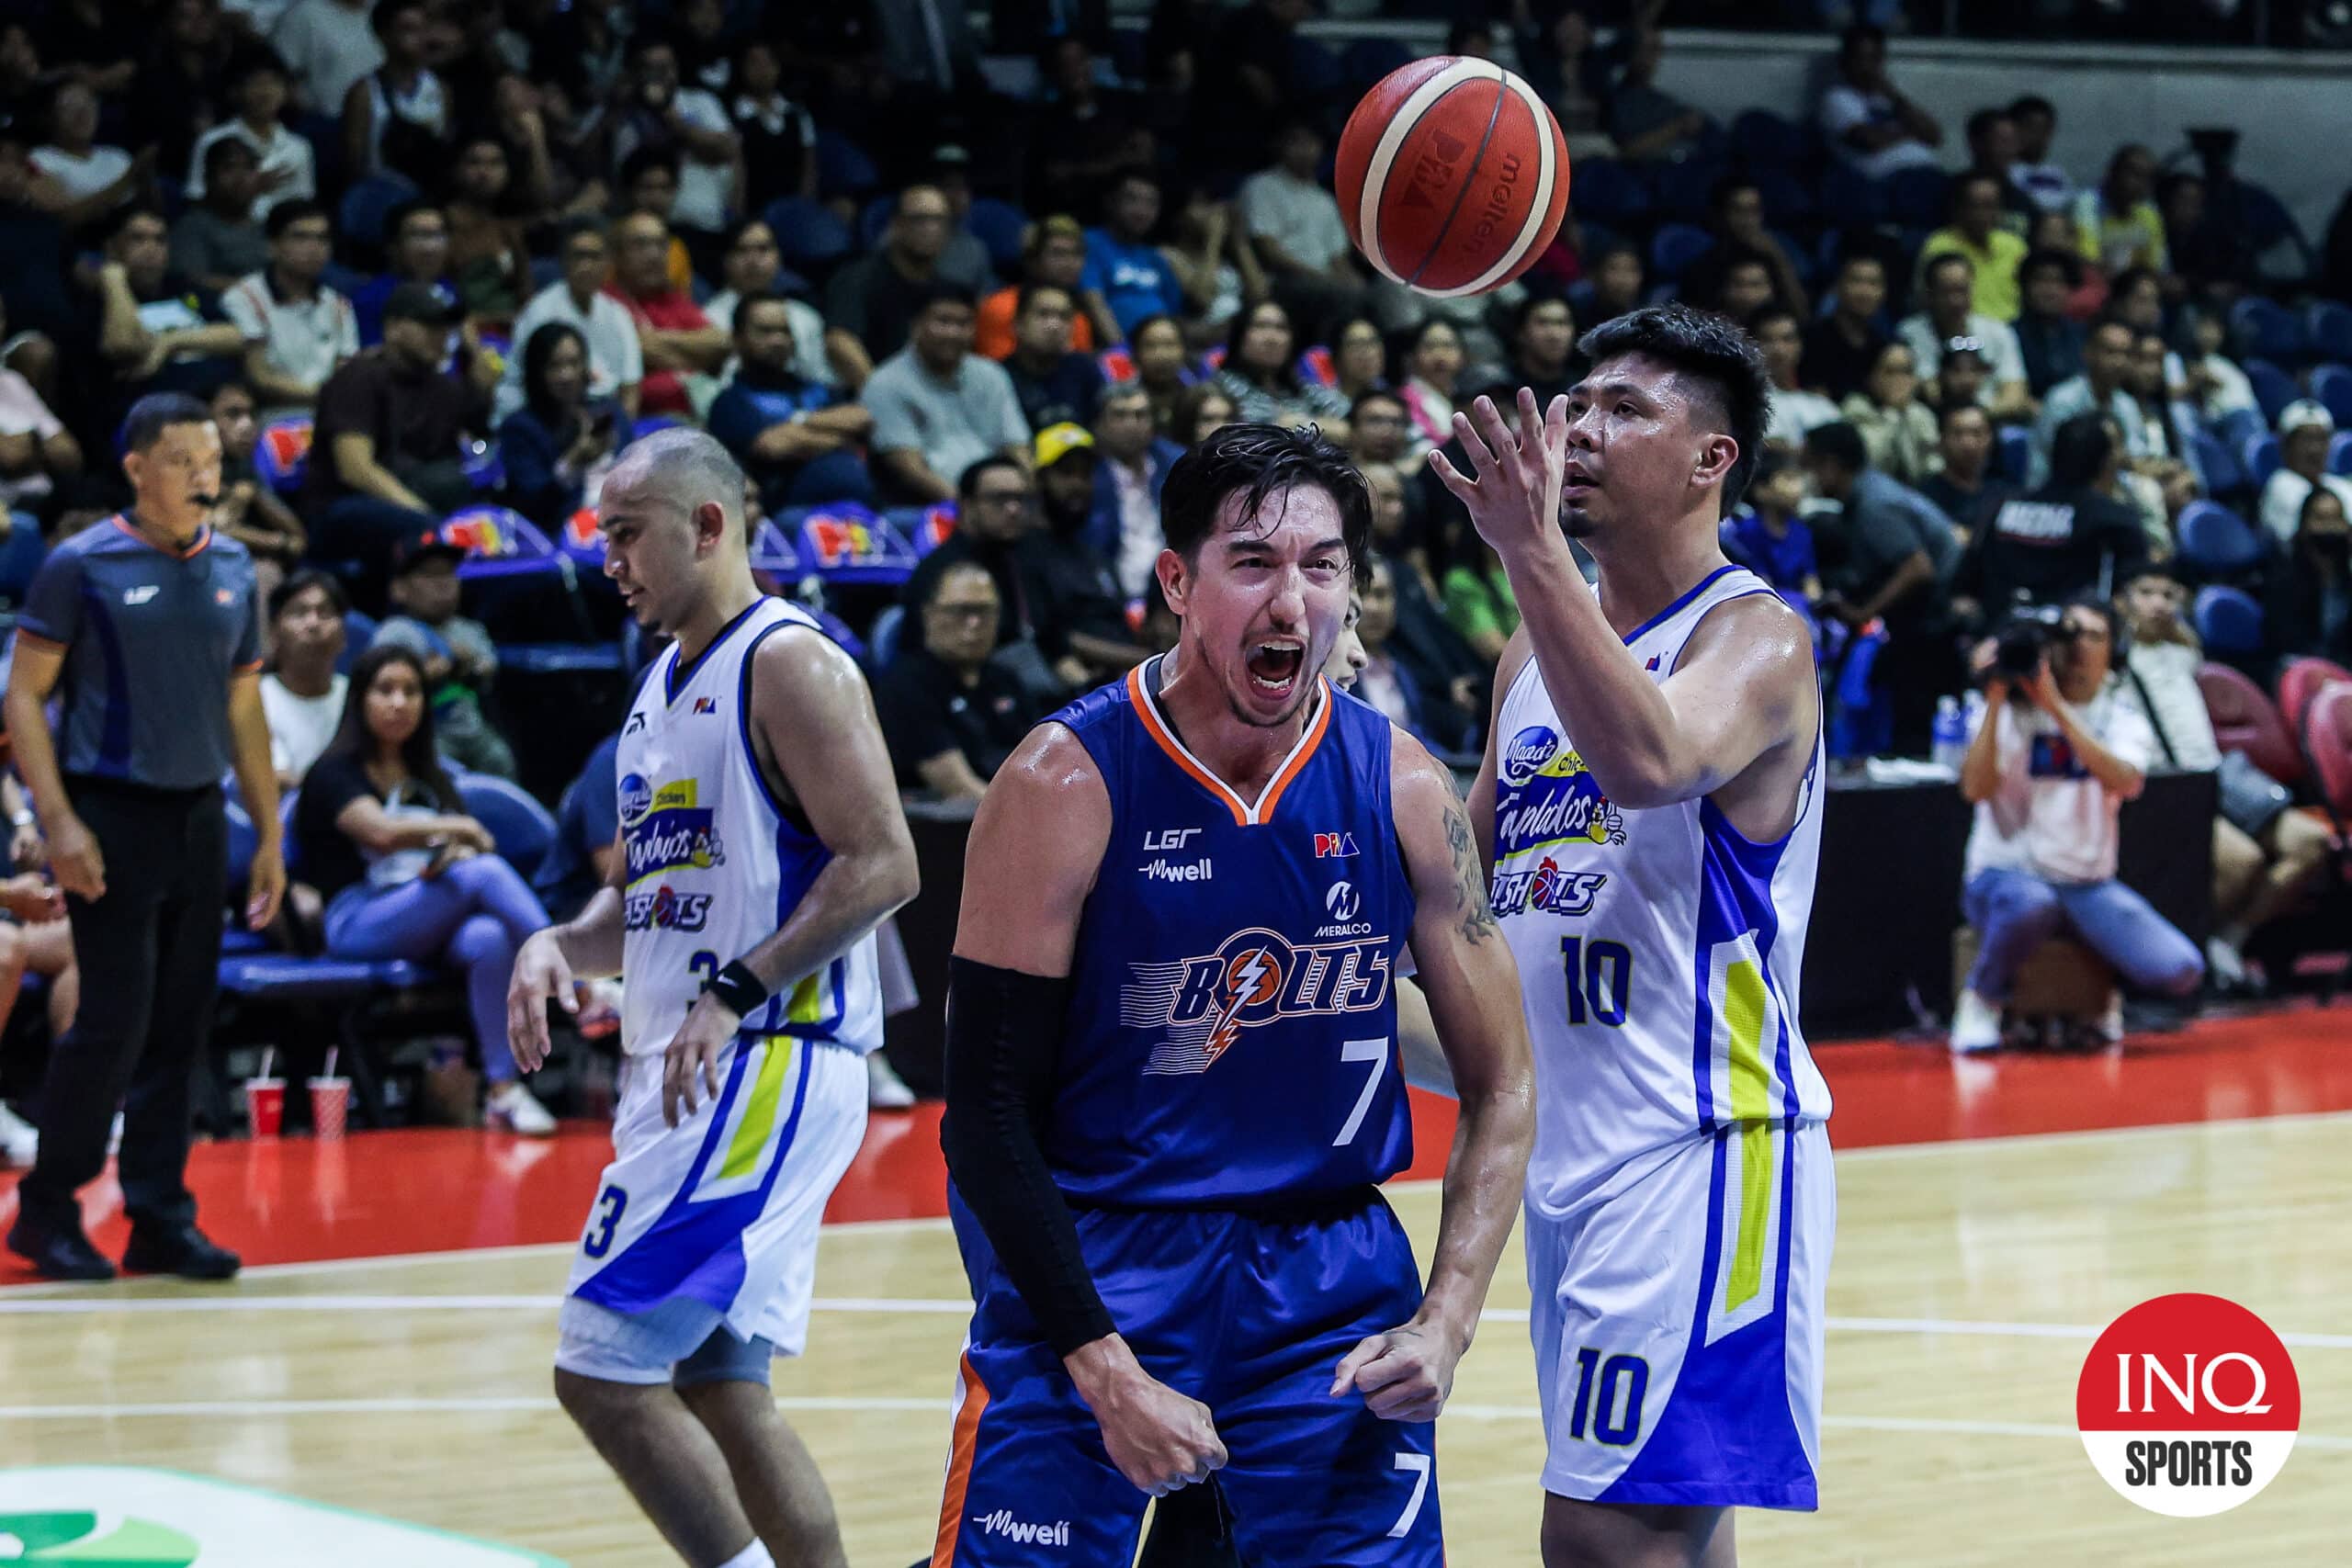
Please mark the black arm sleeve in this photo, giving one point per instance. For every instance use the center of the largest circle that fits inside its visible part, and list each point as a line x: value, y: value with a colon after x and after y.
x: 1004, y: 1034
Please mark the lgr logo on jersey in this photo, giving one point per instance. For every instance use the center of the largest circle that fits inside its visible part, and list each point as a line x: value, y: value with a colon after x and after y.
x: 1549, y: 797
x: 1548, y: 888
x: 2188, y: 1405
x: 669, y: 831
x: 1253, y: 978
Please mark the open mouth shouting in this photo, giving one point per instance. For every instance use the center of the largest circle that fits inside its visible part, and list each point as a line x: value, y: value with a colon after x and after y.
x: 1276, y: 665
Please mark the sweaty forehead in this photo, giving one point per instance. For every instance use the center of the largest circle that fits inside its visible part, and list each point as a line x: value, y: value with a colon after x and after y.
x: 1302, y: 514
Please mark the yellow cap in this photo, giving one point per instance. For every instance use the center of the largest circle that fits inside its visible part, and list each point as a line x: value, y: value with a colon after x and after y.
x: 1059, y: 441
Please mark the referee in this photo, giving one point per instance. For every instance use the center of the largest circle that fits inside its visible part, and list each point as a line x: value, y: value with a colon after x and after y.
x: 146, y: 627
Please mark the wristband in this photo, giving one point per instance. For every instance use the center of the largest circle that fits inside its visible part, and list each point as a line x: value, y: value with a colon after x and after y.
x: 738, y: 988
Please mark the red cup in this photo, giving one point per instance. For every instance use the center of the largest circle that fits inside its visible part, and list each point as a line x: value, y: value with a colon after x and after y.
x: 265, y: 1106
x: 330, y: 1105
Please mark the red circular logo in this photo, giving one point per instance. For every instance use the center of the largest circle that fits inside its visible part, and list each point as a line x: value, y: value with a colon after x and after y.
x: 2188, y: 1405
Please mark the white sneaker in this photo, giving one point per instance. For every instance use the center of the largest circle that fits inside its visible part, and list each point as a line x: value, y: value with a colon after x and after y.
x: 511, y: 1107
x: 885, y: 1091
x: 1975, y: 1025
x: 2225, y: 962
x: 19, y: 1140
x: 2110, y: 1023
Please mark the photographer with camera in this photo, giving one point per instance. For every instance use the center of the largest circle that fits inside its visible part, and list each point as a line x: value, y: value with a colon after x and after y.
x: 2055, y: 755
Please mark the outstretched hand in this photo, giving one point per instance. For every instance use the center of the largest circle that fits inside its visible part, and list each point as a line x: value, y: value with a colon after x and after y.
x: 1513, y: 491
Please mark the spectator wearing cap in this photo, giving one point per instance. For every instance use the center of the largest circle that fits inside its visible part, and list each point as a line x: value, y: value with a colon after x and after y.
x: 147, y: 631
x: 217, y: 241
x: 398, y: 119
x: 1842, y: 347
x: 2305, y: 431
x: 1055, y: 253
x: 953, y: 706
x: 1084, y: 614
x: 288, y: 165
x: 1127, y: 278
x: 876, y: 297
x: 674, y: 337
x: 2106, y: 364
x: 328, y: 46
x: 2048, y: 185
x: 578, y: 300
x: 1055, y: 384
x: 158, y: 330
x: 1950, y: 317
x: 385, y: 455
x: 1975, y: 233
x: 2117, y: 225
x: 459, y: 659
x: 1794, y: 410
x: 1125, y: 529
x: 796, y: 439
x: 938, y: 408
x: 657, y: 110
x: 302, y: 693
x: 297, y: 329
x: 2050, y: 341
x: 1872, y: 127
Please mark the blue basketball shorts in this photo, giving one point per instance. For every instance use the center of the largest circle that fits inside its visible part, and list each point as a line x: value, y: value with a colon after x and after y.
x: 1249, y: 1314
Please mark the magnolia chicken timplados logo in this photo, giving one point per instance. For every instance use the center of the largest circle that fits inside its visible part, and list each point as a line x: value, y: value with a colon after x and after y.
x: 2188, y: 1405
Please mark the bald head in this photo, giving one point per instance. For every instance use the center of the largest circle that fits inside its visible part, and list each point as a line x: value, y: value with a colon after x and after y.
x: 681, y: 470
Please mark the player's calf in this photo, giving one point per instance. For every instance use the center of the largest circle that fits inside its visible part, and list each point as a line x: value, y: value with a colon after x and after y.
x: 1604, y: 1535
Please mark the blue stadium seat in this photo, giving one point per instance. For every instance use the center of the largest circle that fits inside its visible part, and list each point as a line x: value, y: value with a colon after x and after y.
x: 1681, y: 189
x: 2218, y: 462
x: 359, y: 631
x: 998, y: 226
x: 1369, y: 59
x: 1675, y: 247
x: 1765, y: 141
x: 2215, y: 541
x: 21, y: 554
x: 2327, y: 328
x: 1314, y: 71
x: 2332, y: 385
x: 2268, y: 226
x: 882, y: 641
x: 2264, y: 329
x: 360, y: 219
x: 521, y: 825
x: 2339, y: 453
x: 2016, y: 453
x: 1799, y: 257
x: 1609, y: 191
x: 873, y: 218
x: 2238, y: 423
x: 807, y: 232
x: 2273, y: 388
x: 1850, y: 200
x: 1916, y: 197
x: 2228, y: 621
x: 1787, y: 200
x: 843, y: 167
x: 2259, y: 458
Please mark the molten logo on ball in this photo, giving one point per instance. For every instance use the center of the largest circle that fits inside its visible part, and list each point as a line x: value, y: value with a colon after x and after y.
x: 2188, y: 1405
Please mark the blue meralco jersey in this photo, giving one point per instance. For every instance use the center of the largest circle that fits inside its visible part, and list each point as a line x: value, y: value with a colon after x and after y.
x: 1232, y: 1025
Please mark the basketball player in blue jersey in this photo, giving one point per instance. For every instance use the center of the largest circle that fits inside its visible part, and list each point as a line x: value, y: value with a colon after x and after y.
x: 1651, y: 805
x: 1172, y: 1073
x: 760, y: 843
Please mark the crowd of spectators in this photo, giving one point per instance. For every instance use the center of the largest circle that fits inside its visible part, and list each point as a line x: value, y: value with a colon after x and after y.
x: 468, y: 252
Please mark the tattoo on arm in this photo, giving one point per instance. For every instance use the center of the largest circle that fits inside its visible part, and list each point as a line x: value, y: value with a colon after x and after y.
x: 1478, y: 920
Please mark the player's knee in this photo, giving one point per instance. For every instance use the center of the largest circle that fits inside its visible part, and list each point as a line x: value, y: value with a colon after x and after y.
x: 593, y: 1404
x: 1594, y: 1535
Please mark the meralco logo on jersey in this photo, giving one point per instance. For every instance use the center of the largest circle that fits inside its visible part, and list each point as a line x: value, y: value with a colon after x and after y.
x: 1549, y: 797
x: 664, y: 829
x: 1254, y: 977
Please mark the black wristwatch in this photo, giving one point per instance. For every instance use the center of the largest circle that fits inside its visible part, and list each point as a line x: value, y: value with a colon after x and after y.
x: 738, y: 988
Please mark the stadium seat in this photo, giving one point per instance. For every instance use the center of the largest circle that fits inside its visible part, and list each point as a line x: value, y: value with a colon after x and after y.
x: 1850, y: 200
x: 2332, y: 385
x: 360, y: 218
x: 999, y: 227
x: 2273, y: 388
x: 2218, y: 464
x: 1367, y: 60
x: 2339, y: 453
x: 844, y: 168
x: 2328, y: 739
x: 873, y: 218
x: 521, y: 825
x: 2259, y: 458
x: 883, y: 639
x: 2245, y: 719
x: 2300, y: 680
x: 2215, y: 541
x: 1675, y: 247
x: 1682, y: 189
x: 2264, y: 329
x: 359, y: 631
x: 2238, y: 423
x: 1609, y: 191
x: 1787, y: 200
x: 2016, y: 453
x: 2327, y: 328
x: 1314, y: 71
x: 1917, y: 198
x: 2282, y: 256
x: 21, y: 554
x: 282, y: 453
x: 1765, y: 141
x: 843, y: 543
x: 2228, y: 621
x: 807, y: 232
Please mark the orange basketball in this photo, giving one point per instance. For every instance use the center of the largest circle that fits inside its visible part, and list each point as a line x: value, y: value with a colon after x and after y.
x: 1452, y: 176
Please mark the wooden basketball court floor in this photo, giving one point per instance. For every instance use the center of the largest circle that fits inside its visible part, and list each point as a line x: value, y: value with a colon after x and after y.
x: 388, y: 1353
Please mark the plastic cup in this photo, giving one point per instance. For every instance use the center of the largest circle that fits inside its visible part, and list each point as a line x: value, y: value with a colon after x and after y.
x: 265, y: 1106
x: 330, y: 1106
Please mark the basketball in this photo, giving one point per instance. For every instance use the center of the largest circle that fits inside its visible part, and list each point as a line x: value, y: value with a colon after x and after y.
x: 1452, y: 175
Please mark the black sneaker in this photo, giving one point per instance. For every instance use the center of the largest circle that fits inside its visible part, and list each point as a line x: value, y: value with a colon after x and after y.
x: 178, y: 1249
x: 58, y: 1254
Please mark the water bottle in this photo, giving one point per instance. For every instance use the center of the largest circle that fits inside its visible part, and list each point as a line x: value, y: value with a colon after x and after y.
x: 1949, y: 744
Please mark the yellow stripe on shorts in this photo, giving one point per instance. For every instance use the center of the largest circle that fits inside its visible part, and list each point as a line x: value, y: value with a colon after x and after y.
x: 760, y: 1109
x: 1744, y: 1007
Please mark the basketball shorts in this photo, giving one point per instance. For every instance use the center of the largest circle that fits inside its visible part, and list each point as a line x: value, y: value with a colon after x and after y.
x: 1249, y: 1314
x: 1677, y: 1314
x: 712, y: 1226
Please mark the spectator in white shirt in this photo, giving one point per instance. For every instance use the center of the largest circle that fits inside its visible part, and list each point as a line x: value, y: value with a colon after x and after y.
x: 297, y: 329
x: 302, y: 696
x: 1300, y: 238
x: 661, y: 112
x: 616, y: 358
x: 1795, y: 411
x: 1874, y: 130
x: 1946, y: 291
x: 288, y: 164
x: 94, y: 180
x: 327, y: 45
x: 2306, y: 430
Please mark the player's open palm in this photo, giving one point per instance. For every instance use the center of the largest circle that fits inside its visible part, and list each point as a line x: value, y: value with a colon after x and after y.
x: 1160, y: 1439
x: 1404, y: 1374
x: 1512, y: 492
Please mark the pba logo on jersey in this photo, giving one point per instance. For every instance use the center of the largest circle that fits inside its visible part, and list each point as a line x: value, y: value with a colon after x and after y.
x: 2188, y: 1405
x: 668, y: 831
x: 1253, y: 978
x: 1549, y: 797
x: 1548, y: 888
x: 666, y: 908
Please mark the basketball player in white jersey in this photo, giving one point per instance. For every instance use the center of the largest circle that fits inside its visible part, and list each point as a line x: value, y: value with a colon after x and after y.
x: 760, y: 843
x: 1651, y: 797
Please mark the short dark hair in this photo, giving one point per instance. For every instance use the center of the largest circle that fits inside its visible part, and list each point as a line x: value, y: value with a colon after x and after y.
x: 1030, y: 291
x: 1770, y: 311
x: 250, y: 61
x: 967, y: 483
x: 1374, y: 395
x: 2080, y: 449
x: 1253, y: 461
x: 1857, y: 33
x: 302, y: 582
x: 379, y: 20
x: 2033, y: 103
x: 402, y: 211
x: 2069, y: 267
x: 941, y: 291
x: 221, y: 152
x: 111, y: 227
x: 1951, y: 412
x: 2132, y: 277
x: 1524, y: 311
x: 653, y: 155
x: 158, y: 412
x: 752, y: 301
x: 1861, y: 257
x: 1949, y: 258
x: 1703, y: 348
x: 1840, y: 442
x: 2106, y: 319
x: 1721, y: 191
x: 1983, y: 120
x: 1967, y: 178
x: 286, y: 214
